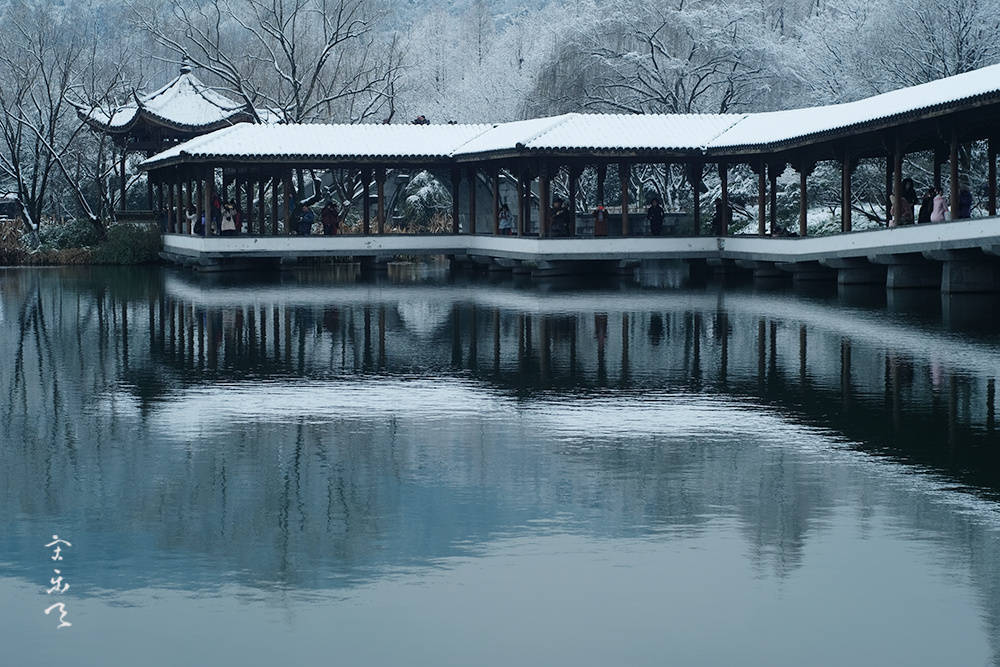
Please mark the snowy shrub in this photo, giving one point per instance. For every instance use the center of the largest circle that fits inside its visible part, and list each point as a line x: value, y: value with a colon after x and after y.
x: 424, y: 200
x: 129, y: 244
x: 77, y: 233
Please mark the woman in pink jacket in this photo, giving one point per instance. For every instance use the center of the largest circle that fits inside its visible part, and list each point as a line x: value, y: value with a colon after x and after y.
x: 940, y: 206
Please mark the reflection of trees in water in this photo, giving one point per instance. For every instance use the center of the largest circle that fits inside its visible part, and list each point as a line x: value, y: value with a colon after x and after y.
x: 95, y: 363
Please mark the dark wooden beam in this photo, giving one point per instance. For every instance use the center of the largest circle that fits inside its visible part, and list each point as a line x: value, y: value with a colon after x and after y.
x: 574, y: 177
x: 544, y: 188
x: 380, y: 199
x: 724, y: 218
x: 953, y: 166
x: 472, y: 200
x: 846, y: 196
x: 602, y: 175
x: 625, y: 176
x: 520, y: 204
x: 897, y: 184
x: 761, y: 169
x: 991, y: 185
x: 274, y: 211
x: 496, y: 202
x: 366, y: 223
x: 694, y: 178
x: 772, y: 173
x: 456, y: 185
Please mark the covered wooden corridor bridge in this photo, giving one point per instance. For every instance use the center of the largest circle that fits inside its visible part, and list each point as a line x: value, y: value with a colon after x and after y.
x: 254, y: 165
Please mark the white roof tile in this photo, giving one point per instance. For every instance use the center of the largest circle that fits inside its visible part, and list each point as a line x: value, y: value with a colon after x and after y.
x: 319, y: 142
x: 611, y: 132
x: 778, y: 126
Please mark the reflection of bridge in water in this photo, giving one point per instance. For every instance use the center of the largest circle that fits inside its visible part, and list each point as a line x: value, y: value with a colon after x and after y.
x: 302, y: 397
x: 888, y: 383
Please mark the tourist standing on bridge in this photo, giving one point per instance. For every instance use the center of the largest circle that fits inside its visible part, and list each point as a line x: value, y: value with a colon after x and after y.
x: 330, y: 218
x: 940, y: 211
x: 964, y: 203
x: 600, y: 221
x: 654, y: 214
x: 305, y: 221
x: 720, y: 220
x: 191, y: 215
x: 506, y: 220
x: 926, y: 206
x: 216, y: 210
x: 228, y: 225
x: 560, y: 218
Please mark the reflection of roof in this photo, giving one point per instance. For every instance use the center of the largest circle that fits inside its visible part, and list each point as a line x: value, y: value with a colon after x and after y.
x: 592, y: 133
x: 184, y: 104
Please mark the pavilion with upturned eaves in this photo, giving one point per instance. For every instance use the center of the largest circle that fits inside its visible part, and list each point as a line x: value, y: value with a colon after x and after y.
x: 181, y: 110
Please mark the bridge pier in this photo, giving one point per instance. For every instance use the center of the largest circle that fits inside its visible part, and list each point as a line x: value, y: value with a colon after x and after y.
x: 811, y: 272
x: 909, y: 271
x: 966, y: 271
x: 854, y: 271
x: 763, y: 271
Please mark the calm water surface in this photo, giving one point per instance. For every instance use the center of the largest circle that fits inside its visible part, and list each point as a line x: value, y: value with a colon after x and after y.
x: 314, y: 468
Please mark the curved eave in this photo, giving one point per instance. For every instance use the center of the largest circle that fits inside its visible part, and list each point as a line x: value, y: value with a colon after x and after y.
x: 296, y: 159
x: 144, y: 115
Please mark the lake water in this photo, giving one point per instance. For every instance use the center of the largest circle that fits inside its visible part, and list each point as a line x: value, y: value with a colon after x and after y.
x: 314, y: 468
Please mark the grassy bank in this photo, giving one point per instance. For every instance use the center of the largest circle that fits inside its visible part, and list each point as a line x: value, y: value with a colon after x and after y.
x: 77, y: 242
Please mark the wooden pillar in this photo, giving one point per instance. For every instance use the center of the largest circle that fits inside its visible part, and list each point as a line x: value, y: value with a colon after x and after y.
x: 574, y: 176
x: 772, y: 172
x: 185, y: 199
x: 262, y: 206
x: 897, y: 184
x: 544, y: 215
x: 456, y: 185
x: 761, y: 199
x: 953, y: 166
x: 694, y: 178
x: 244, y: 195
x: 205, y: 196
x: 991, y: 185
x: 286, y: 192
x: 625, y: 176
x: 380, y: 200
x: 520, y: 204
x: 168, y: 208
x: 124, y: 183
x: 602, y: 175
x: 149, y: 191
x: 472, y: 200
x: 159, y: 197
x: 366, y: 223
x: 496, y: 202
x: 846, y: 169
x: 724, y: 180
x: 803, y: 202
x: 203, y: 206
x: 274, y: 208
x: 888, y: 186
x: 175, y: 204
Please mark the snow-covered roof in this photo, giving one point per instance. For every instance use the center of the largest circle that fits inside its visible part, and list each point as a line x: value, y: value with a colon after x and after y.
x: 776, y: 127
x: 694, y: 134
x: 325, y: 142
x: 184, y: 104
